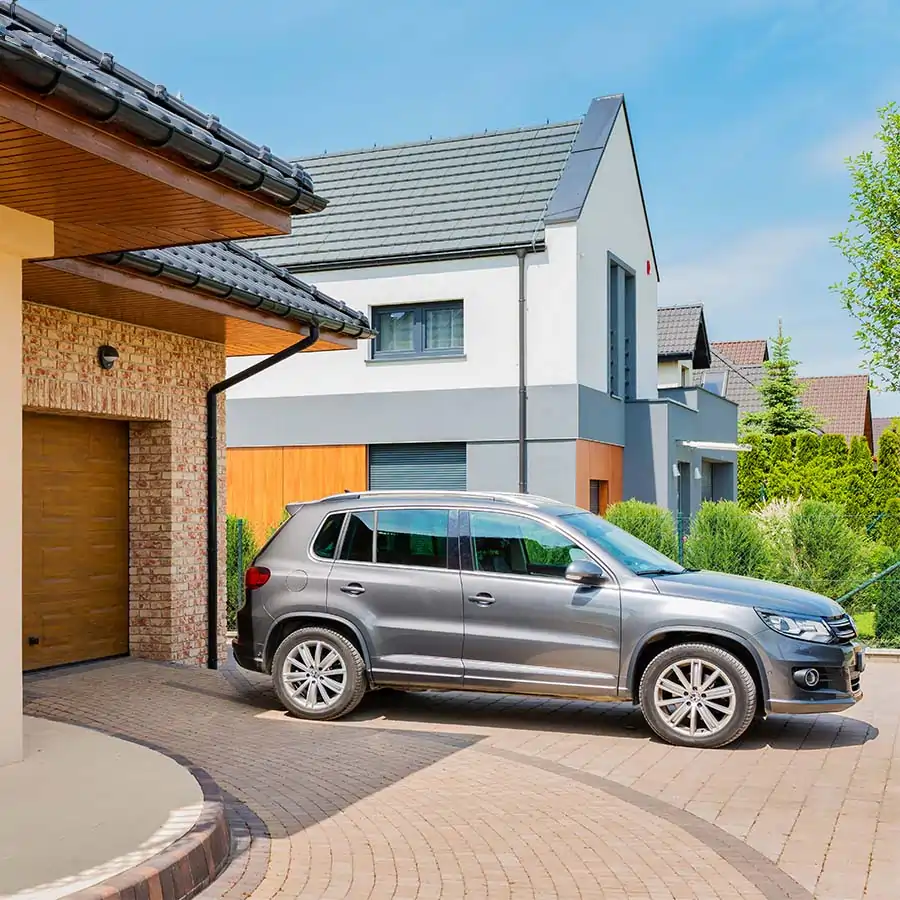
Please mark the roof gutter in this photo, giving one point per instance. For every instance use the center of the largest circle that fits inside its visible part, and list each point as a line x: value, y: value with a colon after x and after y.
x: 212, y: 485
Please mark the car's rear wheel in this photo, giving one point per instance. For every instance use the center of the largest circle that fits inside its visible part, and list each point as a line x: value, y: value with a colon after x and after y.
x: 698, y: 695
x: 318, y: 674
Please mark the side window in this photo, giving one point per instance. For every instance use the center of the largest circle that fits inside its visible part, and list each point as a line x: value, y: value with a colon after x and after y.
x: 413, y: 537
x: 325, y: 544
x: 519, y: 546
x: 359, y: 538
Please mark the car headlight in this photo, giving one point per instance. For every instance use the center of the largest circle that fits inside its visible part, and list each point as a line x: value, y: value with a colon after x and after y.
x: 796, y: 627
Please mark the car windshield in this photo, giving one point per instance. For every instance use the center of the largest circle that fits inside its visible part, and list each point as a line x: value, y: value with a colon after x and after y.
x: 632, y: 553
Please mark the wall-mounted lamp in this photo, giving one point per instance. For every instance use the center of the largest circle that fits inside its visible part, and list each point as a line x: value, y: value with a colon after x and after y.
x: 107, y: 356
x: 697, y: 473
x: 676, y: 472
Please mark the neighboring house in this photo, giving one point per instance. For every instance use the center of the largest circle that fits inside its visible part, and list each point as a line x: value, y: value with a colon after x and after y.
x: 842, y: 402
x: 511, y: 278
x: 879, y: 426
x: 108, y: 351
x: 700, y: 425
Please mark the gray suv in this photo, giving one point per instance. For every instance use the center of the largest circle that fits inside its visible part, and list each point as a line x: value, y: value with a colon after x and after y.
x: 519, y: 594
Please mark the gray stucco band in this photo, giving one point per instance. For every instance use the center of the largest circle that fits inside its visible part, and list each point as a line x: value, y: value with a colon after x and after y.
x: 555, y: 412
x: 550, y: 465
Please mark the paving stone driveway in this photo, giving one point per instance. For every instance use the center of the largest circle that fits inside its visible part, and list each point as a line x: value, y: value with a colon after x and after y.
x: 449, y: 796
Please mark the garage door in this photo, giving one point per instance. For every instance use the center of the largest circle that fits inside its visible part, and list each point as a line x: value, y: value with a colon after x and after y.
x: 75, y: 539
x: 419, y: 467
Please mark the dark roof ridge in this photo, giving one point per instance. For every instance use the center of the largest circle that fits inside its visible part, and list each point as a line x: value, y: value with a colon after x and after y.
x: 431, y: 142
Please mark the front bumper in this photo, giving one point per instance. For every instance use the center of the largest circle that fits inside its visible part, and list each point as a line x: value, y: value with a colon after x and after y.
x: 839, y: 665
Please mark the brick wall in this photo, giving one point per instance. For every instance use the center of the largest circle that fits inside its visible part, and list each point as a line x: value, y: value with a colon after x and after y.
x: 159, y: 384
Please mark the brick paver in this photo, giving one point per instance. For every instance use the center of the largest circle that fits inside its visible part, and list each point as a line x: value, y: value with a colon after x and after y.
x: 472, y: 796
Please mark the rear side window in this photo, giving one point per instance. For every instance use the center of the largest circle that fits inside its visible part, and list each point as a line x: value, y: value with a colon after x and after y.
x: 359, y: 539
x: 325, y: 544
x: 413, y: 537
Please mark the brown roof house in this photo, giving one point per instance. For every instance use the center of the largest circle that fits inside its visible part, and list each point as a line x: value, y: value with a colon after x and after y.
x: 113, y: 354
x: 842, y: 402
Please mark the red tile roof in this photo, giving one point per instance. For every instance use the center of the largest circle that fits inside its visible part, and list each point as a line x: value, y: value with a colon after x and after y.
x: 743, y: 353
x: 842, y: 402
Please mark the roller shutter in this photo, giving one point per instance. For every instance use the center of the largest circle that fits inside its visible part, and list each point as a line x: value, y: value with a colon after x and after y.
x: 433, y: 467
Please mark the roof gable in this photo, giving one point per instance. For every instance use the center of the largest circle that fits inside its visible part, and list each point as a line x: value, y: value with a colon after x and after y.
x: 681, y: 334
x: 842, y: 401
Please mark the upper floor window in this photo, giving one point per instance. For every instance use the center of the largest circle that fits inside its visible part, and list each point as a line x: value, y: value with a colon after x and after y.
x: 423, y: 330
x: 716, y: 382
x: 622, y: 320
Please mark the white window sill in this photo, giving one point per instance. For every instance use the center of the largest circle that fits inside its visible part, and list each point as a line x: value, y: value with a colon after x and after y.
x: 417, y: 360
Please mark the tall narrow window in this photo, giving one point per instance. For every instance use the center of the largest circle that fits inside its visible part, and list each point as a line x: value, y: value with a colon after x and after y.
x: 629, y: 354
x: 622, y: 332
x: 615, y: 301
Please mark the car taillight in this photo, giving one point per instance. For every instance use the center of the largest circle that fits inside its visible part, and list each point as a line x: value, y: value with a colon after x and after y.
x: 256, y: 577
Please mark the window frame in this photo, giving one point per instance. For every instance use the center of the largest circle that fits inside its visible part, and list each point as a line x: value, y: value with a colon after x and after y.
x: 723, y: 373
x: 453, y: 554
x: 467, y: 549
x: 419, y: 350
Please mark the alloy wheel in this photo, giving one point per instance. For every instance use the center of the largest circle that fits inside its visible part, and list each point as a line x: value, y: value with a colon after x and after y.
x: 695, y: 697
x: 314, y: 675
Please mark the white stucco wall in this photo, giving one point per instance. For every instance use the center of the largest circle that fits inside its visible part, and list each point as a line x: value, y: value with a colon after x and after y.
x: 675, y: 373
x: 613, y: 220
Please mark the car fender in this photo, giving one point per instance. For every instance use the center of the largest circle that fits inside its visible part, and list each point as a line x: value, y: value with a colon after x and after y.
x: 699, y: 630
x: 324, y: 618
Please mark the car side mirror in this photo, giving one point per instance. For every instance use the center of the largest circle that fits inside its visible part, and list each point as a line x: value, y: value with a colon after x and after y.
x: 586, y: 572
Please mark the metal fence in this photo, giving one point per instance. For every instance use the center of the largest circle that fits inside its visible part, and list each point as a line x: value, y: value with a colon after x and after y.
x: 875, y: 607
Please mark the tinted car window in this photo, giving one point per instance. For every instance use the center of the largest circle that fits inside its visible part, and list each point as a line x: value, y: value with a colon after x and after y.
x: 358, y: 543
x: 325, y: 544
x: 519, y: 546
x: 413, y: 537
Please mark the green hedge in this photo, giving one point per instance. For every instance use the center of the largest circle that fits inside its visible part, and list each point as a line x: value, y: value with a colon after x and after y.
x: 652, y: 524
x: 726, y: 538
x: 242, y: 547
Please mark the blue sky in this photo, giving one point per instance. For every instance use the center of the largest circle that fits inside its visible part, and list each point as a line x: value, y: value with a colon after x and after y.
x: 742, y: 111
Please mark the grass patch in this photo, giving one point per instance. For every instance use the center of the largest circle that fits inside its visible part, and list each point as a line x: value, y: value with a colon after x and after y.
x: 865, y: 623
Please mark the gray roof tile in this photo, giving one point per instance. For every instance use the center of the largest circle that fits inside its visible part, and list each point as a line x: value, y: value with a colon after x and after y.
x: 472, y: 194
x: 38, y: 54
x: 238, y: 275
x: 681, y: 334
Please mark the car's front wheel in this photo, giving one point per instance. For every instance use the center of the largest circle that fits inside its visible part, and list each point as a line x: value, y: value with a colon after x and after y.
x: 318, y: 674
x: 698, y: 695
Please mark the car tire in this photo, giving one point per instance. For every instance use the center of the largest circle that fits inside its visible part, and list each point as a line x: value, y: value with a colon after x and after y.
x: 698, y: 695
x: 308, y: 664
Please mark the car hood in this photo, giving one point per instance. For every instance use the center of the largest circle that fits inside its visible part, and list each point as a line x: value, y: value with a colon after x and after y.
x: 722, y: 588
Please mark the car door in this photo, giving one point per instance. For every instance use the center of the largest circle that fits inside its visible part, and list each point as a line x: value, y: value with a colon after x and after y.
x: 397, y: 578
x: 527, y: 629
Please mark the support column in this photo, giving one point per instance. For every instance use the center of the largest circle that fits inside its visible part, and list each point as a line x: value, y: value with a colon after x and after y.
x: 21, y: 236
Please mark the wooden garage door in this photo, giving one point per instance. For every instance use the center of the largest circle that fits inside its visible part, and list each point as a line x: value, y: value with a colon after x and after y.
x: 75, y: 539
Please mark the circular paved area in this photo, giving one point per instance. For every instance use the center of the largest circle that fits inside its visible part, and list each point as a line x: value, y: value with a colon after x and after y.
x: 469, y: 796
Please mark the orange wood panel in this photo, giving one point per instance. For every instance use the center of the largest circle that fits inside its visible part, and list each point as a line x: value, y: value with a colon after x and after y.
x: 255, y: 486
x: 595, y: 461
x: 74, y: 539
x: 311, y: 473
x: 262, y: 480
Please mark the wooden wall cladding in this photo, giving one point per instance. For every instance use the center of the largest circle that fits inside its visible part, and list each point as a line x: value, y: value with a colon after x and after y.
x: 597, y: 462
x: 261, y: 480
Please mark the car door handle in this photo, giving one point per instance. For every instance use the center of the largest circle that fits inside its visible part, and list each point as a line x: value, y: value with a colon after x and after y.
x: 354, y: 588
x: 482, y: 599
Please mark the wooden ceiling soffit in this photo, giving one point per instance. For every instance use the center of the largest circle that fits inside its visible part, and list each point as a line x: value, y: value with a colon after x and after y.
x: 87, y: 287
x: 105, y: 193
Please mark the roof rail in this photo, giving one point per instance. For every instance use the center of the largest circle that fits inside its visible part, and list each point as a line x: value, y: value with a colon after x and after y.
x: 495, y: 496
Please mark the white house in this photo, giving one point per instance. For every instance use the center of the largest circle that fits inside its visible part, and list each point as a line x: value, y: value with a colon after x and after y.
x: 512, y: 280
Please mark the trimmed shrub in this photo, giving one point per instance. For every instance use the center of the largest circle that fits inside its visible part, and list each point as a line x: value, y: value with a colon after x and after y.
x: 829, y: 557
x: 753, y: 467
x: 856, y: 491
x: 726, y: 538
x: 830, y: 470
x: 242, y: 547
x: 652, y: 524
x: 782, y: 482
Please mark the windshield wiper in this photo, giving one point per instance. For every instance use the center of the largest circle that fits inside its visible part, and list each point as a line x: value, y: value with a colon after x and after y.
x: 662, y: 572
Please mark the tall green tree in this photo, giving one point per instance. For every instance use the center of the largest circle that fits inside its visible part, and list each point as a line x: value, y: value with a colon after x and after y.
x: 830, y: 468
x: 859, y: 482
x: 887, y: 479
x: 782, y: 411
x: 781, y: 483
x: 871, y: 246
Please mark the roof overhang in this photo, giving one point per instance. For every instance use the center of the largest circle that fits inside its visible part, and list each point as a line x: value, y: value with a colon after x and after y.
x: 722, y: 446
